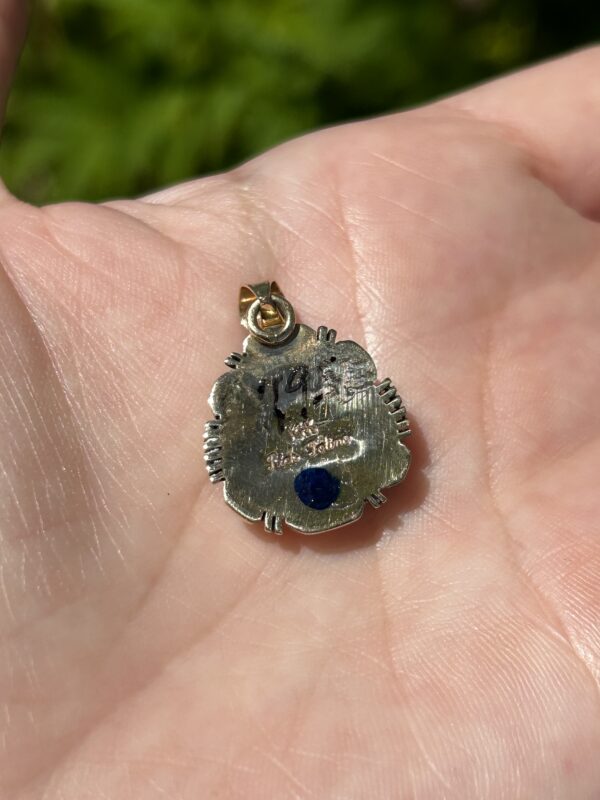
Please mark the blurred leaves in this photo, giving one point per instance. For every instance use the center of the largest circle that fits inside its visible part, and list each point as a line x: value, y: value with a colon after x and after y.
x: 116, y: 97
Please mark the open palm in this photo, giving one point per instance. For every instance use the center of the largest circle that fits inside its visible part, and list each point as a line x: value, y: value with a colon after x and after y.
x: 152, y: 643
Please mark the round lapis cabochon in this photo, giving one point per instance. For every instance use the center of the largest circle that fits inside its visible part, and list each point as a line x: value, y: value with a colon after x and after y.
x: 317, y: 488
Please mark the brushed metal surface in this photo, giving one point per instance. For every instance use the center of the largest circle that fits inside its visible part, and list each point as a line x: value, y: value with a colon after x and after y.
x: 309, y: 406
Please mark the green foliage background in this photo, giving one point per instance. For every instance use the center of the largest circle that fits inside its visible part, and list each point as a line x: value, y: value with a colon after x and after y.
x: 116, y: 97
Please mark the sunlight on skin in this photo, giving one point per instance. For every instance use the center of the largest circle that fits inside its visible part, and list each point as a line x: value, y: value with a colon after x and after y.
x: 152, y: 644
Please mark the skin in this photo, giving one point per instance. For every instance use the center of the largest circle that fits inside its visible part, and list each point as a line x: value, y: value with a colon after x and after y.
x: 152, y: 643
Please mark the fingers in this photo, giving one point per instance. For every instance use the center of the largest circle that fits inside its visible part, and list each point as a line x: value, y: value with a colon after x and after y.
x: 13, y: 22
x: 555, y: 110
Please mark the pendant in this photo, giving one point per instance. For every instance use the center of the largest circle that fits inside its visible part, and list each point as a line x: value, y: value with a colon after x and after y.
x: 302, y: 432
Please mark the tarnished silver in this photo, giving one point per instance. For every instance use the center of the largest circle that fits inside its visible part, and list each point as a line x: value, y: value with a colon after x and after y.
x: 302, y: 433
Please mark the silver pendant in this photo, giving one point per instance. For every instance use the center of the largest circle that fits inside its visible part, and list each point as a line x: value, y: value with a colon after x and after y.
x: 302, y: 432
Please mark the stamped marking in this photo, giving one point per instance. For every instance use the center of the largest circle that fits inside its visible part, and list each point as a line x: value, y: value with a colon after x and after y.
x: 305, y: 441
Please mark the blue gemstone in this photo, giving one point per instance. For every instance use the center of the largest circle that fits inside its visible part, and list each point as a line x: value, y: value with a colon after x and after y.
x: 317, y: 488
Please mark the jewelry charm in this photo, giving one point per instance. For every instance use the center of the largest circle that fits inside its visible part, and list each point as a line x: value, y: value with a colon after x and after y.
x: 302, y: 434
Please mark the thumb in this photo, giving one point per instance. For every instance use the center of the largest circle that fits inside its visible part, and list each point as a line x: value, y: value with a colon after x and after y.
x: 13, y: 24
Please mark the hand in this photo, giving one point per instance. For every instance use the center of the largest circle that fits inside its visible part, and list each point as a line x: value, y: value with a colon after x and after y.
x: 153, y: 644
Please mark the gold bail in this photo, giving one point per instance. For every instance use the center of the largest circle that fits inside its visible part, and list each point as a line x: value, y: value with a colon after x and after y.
x: 269, y: 313
x: 266, y: 313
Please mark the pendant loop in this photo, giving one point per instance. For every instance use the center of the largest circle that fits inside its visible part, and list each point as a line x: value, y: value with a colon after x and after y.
x: 266, y: 313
